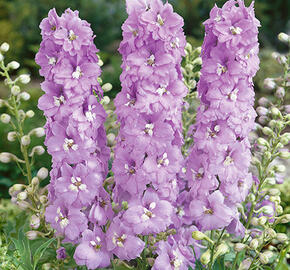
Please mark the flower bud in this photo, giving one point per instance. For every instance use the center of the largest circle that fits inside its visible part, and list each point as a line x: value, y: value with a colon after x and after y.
x: 111, y: 139
x: 263, y: 102
x: 205, y: 257
x: 267, y: 155
x: 263, y: 120
x: 262, y: 111
x: 255, y: 221
x: 107, y: 87
x: 279, y: 210
x: 24, y: 78
x: 254, y: 244
x: 11, y: 136
x: 18, y: 187
x: 245, y: 264
x: 270, y: 233
x: 1, y: 57
x: 31, y: 235
x: 42, y: 173
x: 221, y: 250
x: 35, y: 181
x: 30, y: 113
x: 275, y: 112
x: 22, y: 196
x: 262, y: 142
x: 263, y: 258
x: 267, y: 131
x: 46, y: 266
x: 274, y: 192
x: 13, y: 65
x: 280, y: 92
x: 198, y: 50
x: 284, y: 155
x: 282, y: 237
x: 25, y: 140
x: 15, y: 90
x: 105, y: 100
x: 6, y: 157
x: 188, y: 47
x: 38, y: 150
x: 39, y: 132
x: 34, y: 222
x: 283, y: 37
x: 269, y: 84
x: 239, y: 247
x: 100, y: 63
x: 23, y: 205
x: 198, y: 61
x: 279, y: 168
x: 25, y: 96
x: 267, y: 209
x: 5, y: 118
x: 262, y: 220
x: 197, y: 235
x: 43, y: 199
x: 285, y: 138
x: 4, y: 47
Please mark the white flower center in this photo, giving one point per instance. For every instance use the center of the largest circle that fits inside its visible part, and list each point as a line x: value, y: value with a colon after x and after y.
x: 130, y: 170
x: 77, y: 73
x: 131, y: 101
x: 234, y: 94
x: 212, y: 133
x: 89, y: 114
x: 69, y: 144
x: 228, y: 161
x: 149, y: 129
x: 76, y: 184
x: 71, y: 35
x: 151, y: 60
x: 147, y: 213
x: 163, y: 161
x: 180, y: 211
x: 58, y: 100
x: 63, y: 220
x: 161, y: 91
x: 175, y: 44
x: 235, y: 30
x: 51, y: 60
x: 218, y: 18
x: 119, y: 240
x: 160, y: 20
x: 220, y: 69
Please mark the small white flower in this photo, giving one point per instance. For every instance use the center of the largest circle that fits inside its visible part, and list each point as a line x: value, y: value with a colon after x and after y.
x: 77, y: 73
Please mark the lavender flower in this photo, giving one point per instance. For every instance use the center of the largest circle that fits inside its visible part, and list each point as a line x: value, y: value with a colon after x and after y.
x: 75, y: 135
x: 217, y: 167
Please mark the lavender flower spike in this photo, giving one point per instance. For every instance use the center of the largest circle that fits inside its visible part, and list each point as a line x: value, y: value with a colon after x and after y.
x: 75, y: 134
x: 217, y: 167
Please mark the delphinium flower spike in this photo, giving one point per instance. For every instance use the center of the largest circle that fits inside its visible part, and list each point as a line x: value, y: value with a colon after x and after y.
x: 147, y: 155
x: 218, y: 165
x: 75, y: 135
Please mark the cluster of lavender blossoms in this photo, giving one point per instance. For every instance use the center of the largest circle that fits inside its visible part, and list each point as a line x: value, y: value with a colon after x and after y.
x: 218, y: 165
x: 147, y: 155
x: 75, y: 136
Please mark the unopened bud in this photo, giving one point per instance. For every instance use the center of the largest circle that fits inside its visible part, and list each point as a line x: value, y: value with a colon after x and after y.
x: 262, y: 111
x: 221, y: 250
x: 31, y: 235
x: 262, y: 220
x: 197, y: 235
x: 24, y: 78
x: 15, y: 90
x: 188, y: 47
x: 205, y: 257
x: 105, y: 100
x: 279, y: 168
x: 107, y: 87
x: 1, y: 57
x: 11, y: 136
x: 255, y: 221
x: 25, y: 96
x: 280, y: 92
x: 274, y: 192
x: 267, y: 209
x: 267, y: 131
x: 269, y: 84
x: 262, y: 142
x: 198, y: 61
x: 34, y: 222
x: 263, y: 258
x: 35, y: 181
x: 39, y: 132
x: 5, y: 118
x: 279, y: 210
x: 25, y: 140
x: 254, y: 244
x: 38, y: 150
x: 6, y: 157
x: 42, y: 173
x: 270, y: 233
x: 22, y: 196
x: 245, y: 264
x: 282, y: 237
x: 275, y: 112
x: 43, y: 199
x: 263, y: 102
x: 284, y: 155
x: 111, y: 139
x: 13, y: 65
x: 100, y: 63
x: 239, y: 247
x: 283, y: 37
x: 30, y: 113
x: 4, y: 47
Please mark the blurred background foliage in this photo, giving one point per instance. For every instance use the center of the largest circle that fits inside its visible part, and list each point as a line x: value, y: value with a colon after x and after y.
x: 19, y: 26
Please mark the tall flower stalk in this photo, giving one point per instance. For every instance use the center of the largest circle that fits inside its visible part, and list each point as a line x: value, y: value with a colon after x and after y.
x: 218, y: 165
x: 75, y: 135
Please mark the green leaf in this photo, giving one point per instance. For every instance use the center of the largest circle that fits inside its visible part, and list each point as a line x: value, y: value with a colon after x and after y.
x: 40, y: 251
x: 219, y: 263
